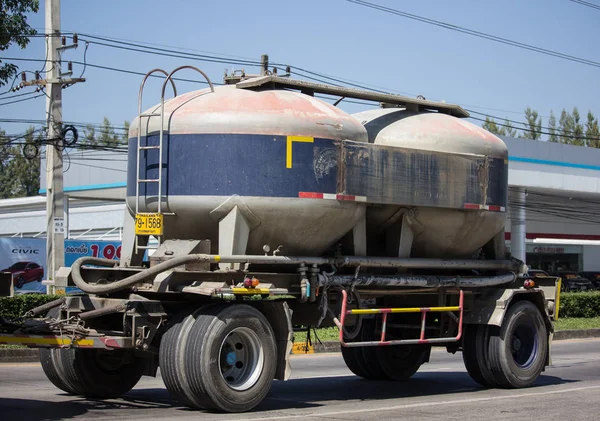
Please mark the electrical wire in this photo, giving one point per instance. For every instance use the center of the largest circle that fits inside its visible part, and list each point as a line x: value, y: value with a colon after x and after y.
x: 541, y: 132
x: 22, y: 100
x: 478, y: 34
x: 587, y: 3
x: 87, y: 44
x: 128, y: 46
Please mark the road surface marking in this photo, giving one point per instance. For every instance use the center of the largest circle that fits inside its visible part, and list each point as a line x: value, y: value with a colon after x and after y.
x: 422, y: 404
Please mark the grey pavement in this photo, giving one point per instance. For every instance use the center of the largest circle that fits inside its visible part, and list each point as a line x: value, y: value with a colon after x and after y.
x: 322, y: 388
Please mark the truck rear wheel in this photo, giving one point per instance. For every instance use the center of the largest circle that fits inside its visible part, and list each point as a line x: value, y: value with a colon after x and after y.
x: 476, y: 339
x: 363, y: 361
x: 51, y: 364
x: 50, y: 360
x: 518, y: 353
x: 92, y: 372
x: 171, y: 356
x: 403, y: 361
x: 230, y: 359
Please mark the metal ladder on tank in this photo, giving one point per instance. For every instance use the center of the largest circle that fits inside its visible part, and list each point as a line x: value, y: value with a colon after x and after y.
x: 141, y: 149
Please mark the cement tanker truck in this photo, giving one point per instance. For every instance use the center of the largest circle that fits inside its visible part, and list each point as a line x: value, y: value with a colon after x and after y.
x: 255, y: 207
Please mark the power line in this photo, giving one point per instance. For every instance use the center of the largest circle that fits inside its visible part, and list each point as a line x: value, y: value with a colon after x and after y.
x: 224, y: 58
x: 320, y: 78
x: 478, y: 34
x: 587, y: 3
x: 116, y: 69
x: 21, y: 100
x: 130, y: 46
x: 69, y: 123
x: 541, y: 132
x: 169, y: 47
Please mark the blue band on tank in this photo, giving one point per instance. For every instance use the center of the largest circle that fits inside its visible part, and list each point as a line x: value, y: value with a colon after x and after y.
x: 235, y: 164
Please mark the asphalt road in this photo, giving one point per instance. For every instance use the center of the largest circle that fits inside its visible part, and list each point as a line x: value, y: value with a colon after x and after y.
x: 322, y: 388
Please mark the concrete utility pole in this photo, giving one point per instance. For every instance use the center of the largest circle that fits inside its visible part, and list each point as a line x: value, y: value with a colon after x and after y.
x: 55, y: 215
x: 264, y: 64
x: 518, y: 231
x: 55, y: 202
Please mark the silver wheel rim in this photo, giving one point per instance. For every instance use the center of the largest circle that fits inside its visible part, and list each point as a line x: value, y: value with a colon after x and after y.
x: 241, y: 358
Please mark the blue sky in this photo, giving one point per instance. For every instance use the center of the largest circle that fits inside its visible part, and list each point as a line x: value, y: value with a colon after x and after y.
x: 336, y: 38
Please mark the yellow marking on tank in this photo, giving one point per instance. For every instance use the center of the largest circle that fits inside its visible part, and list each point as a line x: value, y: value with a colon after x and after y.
x: 217, y: 259
x: 288, y: 148
x: 251, y: 291
x: 44, y: 341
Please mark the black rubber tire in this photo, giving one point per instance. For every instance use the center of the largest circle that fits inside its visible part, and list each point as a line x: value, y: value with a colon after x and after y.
x: 20, y: 282
x: 476, y: 340
x: 400, y: 363
x: 87, y: 375
x: 202, y: 358
x: 50, y: 361
x: 171, y: 355
x: 364, y: 361
x: 354, y: 360
x: 523, y: 324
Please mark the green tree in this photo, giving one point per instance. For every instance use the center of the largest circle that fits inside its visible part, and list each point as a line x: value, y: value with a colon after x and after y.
x: 491, y: 126
x: 14, y: 29
x: 552, y: 137
x: 565, y: 127
x: 577, y: 128
x: 592, y: 131
x: 19, y: 176
x: 533, y: 126
x: 105, y: 135
x: 89, y: 135
x: 125, y: 135
x: 508, y: 130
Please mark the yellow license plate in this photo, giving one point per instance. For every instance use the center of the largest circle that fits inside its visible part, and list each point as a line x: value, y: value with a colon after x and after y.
x: 149, y: 224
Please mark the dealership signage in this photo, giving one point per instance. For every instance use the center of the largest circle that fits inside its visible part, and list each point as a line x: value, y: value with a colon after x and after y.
x: 25, y: 258
x: 554, y: 249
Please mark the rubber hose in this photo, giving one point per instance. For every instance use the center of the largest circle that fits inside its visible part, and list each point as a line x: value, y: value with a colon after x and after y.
x: 131, y: 280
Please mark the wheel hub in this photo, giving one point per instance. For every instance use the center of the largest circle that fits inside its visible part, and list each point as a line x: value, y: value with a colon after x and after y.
x: 241, y: 358
x: 524, y: 345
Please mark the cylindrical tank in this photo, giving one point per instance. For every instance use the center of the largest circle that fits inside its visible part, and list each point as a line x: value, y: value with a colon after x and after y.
x: 261, y: 152
x: 438, y: 231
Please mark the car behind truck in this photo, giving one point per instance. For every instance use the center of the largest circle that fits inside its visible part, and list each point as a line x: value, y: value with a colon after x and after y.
x: 263, y: 208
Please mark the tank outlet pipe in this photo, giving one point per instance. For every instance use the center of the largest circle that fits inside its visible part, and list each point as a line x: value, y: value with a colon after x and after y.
x: 248, y: 259
x: 424, y: 263
x: 304, y: 284
x: 416, y: 281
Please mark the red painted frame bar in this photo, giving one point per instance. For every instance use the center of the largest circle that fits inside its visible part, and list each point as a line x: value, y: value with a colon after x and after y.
x: 386, y: 311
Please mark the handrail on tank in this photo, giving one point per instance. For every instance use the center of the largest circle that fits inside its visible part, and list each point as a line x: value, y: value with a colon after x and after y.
x: 162, y: 120
x: 169, y: 78
x: 139, y: 136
